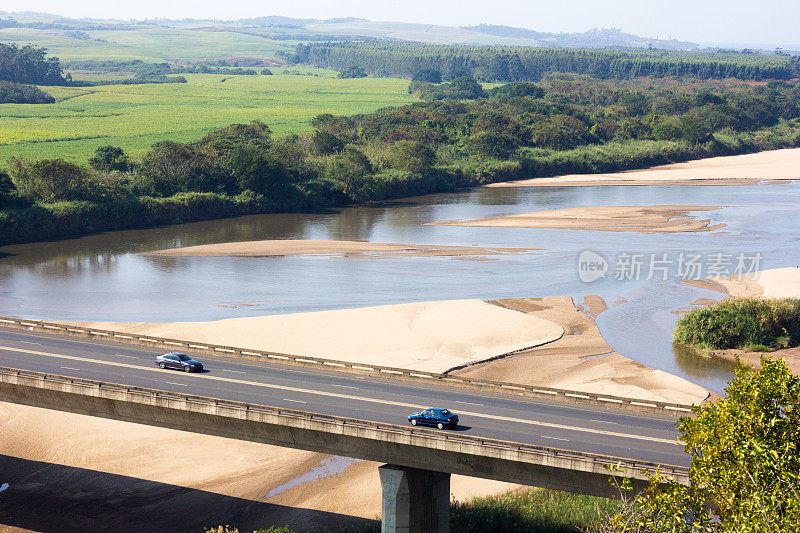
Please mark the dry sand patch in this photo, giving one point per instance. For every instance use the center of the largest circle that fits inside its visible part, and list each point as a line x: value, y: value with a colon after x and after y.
x: 286, y: 247
x: 748, y: 169
x: 642, y: 219
x: 772, y: 283
x: 69, y: 472
x: 431, y: 336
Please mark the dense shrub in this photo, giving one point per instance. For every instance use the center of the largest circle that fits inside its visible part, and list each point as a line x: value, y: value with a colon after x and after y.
x: 430, y: 75
x: 110, y: 158
x: 352, y: 72
x: 413, y: 156
x: 51, y: 180
x: 742, y: 323
x: 460, y: 88
x: 17, y: 93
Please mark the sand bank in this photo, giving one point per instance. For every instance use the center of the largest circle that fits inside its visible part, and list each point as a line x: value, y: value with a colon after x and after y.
x: 643, y: 219
x: 561, y: 347
x: 80, y: 473
x: 581, y: 360
x: 280, y: 248
x: 772, y: 283
x: 745, y: 169
x: 432, y: 336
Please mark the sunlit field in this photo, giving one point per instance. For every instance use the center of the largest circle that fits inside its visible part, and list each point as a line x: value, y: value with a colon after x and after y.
x: 136, y: 116
x: 148, y: 44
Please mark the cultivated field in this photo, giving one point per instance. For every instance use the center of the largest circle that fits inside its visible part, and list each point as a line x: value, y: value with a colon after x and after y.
x: 136, y: 116
x: 149, y: 44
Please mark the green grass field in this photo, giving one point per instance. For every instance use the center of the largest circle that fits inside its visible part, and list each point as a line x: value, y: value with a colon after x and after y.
x: 136, y: 116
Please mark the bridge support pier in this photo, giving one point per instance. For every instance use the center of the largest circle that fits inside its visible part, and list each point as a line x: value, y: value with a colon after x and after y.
x: 414, y: 500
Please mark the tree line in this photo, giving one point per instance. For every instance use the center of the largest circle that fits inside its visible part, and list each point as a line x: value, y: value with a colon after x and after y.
x: 504, y: 64
x: 463, y: 136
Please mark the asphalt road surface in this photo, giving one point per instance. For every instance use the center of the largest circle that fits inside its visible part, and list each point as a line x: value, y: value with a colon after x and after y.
x: 619, y: 433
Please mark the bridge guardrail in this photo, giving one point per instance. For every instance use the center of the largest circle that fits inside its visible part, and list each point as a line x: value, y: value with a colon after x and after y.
x: 579, y: 397
x: 385, y: 432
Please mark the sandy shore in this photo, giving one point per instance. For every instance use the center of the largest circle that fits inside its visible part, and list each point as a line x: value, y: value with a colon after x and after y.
x: 745, y: 169
x: 643, y: 219
x: 581, y: 359
x: 432, y: 336
x: 773, y: 283
x: 280, y: 248
x: 69, y: 472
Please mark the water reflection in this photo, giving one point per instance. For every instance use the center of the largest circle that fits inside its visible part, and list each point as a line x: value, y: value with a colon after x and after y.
x: 700, y: 365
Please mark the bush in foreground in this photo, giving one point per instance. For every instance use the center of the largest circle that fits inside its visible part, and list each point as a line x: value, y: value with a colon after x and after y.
x: 745, y: 470
x: 744, y: 323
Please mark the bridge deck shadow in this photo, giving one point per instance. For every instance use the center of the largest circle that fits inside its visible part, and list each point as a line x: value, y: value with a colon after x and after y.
x: 50, y: 497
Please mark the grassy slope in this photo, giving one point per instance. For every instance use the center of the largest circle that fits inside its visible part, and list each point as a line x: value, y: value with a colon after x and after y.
x: 149, y: 44
x: 136, y: 116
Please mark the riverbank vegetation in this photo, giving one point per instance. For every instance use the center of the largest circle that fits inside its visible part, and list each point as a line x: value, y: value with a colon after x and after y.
x: 751, y: 324
x: 567, y: 124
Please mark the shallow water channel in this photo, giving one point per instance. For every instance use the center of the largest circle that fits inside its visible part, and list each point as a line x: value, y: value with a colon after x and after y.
x: 102, y: 277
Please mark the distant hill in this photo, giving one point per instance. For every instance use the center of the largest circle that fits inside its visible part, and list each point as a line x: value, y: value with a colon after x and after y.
x: 596, y: 38
x: 354, y: 28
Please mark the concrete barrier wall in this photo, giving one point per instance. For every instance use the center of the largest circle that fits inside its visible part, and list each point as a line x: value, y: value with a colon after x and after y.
x: 401, y: 445
x: 160, y: 343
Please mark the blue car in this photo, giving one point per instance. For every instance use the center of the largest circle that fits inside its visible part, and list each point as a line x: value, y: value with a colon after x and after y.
x: 179, y: 361
x: 441, y: 418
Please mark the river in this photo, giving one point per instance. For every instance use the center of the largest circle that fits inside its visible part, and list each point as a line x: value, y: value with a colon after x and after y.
x: 102, y: 277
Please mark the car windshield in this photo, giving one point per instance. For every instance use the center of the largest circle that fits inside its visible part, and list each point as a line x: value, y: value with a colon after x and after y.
x: 182, y: 357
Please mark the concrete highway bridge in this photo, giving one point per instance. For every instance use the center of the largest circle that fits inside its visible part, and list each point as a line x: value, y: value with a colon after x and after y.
x: 538, y: 437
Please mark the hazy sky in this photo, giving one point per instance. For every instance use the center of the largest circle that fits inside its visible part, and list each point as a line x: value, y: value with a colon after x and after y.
x: 773, y: 22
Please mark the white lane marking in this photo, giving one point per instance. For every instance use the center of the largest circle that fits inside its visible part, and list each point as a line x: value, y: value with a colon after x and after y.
x: 4, y: 486
x: 173, y: 383
x: 356, y: 398
x: 470, y: 403
x: 70, y: 368
x: 123, y: 355
x: 345, y: 386
x: 601, y: 421
x: 293, y: 401
x: 29, y: 342
x: 235, y: 371
x: 553, y: 438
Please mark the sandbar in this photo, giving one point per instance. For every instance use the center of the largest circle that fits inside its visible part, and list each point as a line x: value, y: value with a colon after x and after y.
x: 642, y: 219
x: 431, y: 336
x: 747, y: 169
x: 770, y: 283
x: 286, y: 247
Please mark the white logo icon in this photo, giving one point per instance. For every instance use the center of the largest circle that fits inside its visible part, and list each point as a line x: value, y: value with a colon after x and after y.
x: 591, y: 266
